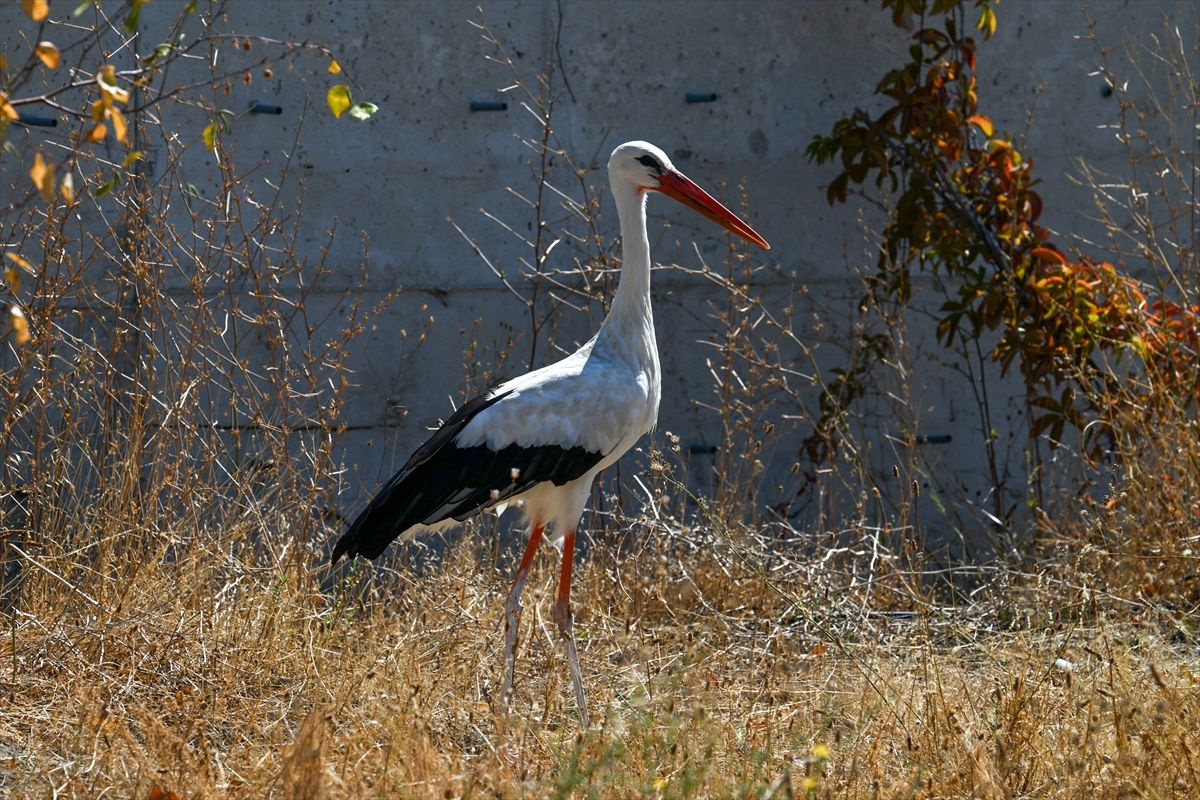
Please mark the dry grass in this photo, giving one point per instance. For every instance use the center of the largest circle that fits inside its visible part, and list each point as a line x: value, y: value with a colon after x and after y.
x: 719, y: 671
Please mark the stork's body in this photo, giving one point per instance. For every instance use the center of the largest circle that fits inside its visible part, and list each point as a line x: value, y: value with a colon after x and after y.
x: 542, y: 438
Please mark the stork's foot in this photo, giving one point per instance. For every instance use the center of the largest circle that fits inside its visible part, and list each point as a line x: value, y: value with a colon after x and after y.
x: 512, y: 621
x: 512, y: 614
x: 566, y: 626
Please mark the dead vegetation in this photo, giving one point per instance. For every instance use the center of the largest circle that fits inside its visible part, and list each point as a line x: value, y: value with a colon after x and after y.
x: 719, y: 665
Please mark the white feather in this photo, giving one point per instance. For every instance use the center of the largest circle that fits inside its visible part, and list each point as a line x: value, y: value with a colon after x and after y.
x: 586, y: 400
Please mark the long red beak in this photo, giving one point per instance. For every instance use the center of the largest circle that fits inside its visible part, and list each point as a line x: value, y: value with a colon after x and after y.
x: 675, y: 185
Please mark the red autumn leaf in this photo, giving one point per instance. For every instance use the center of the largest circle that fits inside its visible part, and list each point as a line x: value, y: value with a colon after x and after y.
x: 1048, y: 254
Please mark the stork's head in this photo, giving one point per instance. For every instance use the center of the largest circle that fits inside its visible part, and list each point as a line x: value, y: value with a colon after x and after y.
x: 643, y: 165
x: 639, y: 163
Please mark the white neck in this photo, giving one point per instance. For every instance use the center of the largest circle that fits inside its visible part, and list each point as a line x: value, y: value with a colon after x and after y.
x: 633, y: 292
x: 628, y: 330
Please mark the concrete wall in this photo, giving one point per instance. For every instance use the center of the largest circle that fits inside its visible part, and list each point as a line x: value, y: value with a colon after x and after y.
x: 781, y: 71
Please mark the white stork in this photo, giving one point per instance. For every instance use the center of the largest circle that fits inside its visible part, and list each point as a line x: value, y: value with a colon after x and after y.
x: 543, y: 437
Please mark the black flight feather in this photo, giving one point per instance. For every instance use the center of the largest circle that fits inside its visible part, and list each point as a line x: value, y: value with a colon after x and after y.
x: 442, y: 480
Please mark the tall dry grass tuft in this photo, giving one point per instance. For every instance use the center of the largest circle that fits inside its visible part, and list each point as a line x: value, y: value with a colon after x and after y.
x: 1136, y: 532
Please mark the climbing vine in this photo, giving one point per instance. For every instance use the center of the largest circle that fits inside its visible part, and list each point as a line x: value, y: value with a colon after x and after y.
x: 1088, y: 341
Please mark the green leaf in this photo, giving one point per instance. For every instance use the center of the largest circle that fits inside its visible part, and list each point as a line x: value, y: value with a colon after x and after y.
x: 136, y: 155
x: 108, y: 185
x: 338, y: 98
x: 82, y: 8
x: 210, y: 136
x: 135, y: 13
x: 363, y: 111
x: 161, y: 51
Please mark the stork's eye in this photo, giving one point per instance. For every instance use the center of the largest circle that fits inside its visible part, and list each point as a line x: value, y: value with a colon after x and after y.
x: 651, y: 162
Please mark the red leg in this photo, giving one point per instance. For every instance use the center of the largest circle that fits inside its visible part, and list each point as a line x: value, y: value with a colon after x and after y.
x: 562, y: 615
x: 512, y: 611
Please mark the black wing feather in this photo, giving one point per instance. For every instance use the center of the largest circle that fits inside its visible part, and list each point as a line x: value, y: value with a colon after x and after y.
x: 442, y: 480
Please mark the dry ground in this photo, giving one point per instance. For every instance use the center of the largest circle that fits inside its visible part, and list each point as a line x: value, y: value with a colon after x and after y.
x: 713, y: 671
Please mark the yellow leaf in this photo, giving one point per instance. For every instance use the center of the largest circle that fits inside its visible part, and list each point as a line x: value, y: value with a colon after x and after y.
x: 48, y: 53
x: 983, y: 123
x: 6, y: 108
x: 11, y: 276
x: 97, y: 133
x: 21, y: 262
x: 43, y: 176
x: 99, y: 106
x: 67, y: 187
x: 106, y: 79
x: 210, y: 136
x: 120, y: 129
x: 334, y: 66
x: 338, y: 98
x: 987, y: 21
x: 136, y: 155
x: 19, y: 323
x: 37, y: 10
